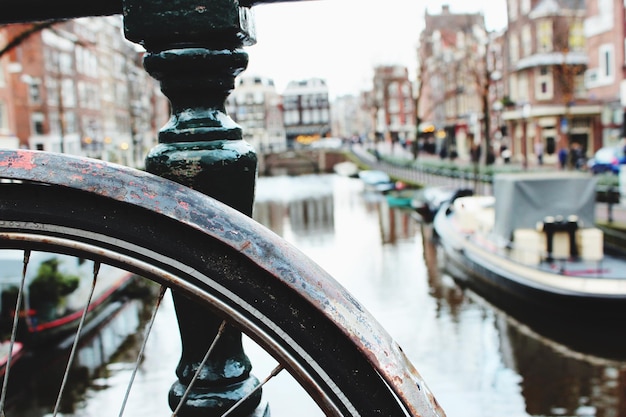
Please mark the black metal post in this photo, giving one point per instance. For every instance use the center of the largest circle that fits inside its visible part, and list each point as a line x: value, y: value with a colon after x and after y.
x: 195, y: 51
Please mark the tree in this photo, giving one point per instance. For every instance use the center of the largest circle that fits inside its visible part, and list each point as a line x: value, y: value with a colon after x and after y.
x: 419, y: 88
x: 568, y: 39
x: 481, y: 73
x: 29, y: 30
x: 50, y: 285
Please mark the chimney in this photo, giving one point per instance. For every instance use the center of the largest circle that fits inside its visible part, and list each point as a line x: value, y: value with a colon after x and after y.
x: 445, y: 9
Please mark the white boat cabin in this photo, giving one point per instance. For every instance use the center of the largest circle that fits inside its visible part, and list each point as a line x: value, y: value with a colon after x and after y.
x: 537, y: 217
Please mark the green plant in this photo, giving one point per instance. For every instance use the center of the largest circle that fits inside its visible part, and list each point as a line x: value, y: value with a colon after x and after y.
x: 50, y: 285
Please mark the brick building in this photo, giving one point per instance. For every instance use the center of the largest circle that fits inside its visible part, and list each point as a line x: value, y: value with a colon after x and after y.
x: 393, y: 107
x: 545, y: 66
x: 79, y: 87
x: 605, y: 78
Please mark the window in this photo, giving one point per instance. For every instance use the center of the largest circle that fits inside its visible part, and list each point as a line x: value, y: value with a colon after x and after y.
x: 37, y: 123
x: 527, y: 45
x: 86, y: 62
x: 544, y: 35
x: 65, y: 63
x: 88, y: 95
x: 522, y: 87
x: 325, y: 116
x: 52, y: 91
x: 606, y: 63
x: 525, y: 7
x: 393, y: 105
x: 71, y: 122
x: 544, y: 89
x: 514, y: 49
x: 316, y: 116
x: 580, y: 91
x: 512, y: 9
x: 601, y: 22
x: 4, y: 119
x: 34, y: 91
x: 576, y: 36
x: 68, y: 93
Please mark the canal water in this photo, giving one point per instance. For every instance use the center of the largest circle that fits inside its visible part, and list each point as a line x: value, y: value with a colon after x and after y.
x: 477, y: 361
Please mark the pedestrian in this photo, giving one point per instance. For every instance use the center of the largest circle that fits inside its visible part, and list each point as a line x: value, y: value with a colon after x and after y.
x: 576, y: 156
x: 539, y: 151
x: 475, y: 153
x: 505, y: 153
x: 563, y: 157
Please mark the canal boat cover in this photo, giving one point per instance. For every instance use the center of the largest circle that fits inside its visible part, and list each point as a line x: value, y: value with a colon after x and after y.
x: 525, y: 200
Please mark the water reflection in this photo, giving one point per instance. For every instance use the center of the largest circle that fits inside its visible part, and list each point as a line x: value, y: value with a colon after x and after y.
x: 478, y: 361
x: 37, y: 377
x: 553, y: 380
x: 449, y: 297
x: 561, y: 382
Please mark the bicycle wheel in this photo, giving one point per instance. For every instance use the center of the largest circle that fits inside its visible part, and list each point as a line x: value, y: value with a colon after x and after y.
x: 217, y: 256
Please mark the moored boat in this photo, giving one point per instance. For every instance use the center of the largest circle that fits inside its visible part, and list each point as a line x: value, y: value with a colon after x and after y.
x: 402, y: 195
x: 431, y: 198
x: 376, y: 180
x: 346, y: 169
x: 56, y: 291
x: 533, y: 251
x: 8, y: 350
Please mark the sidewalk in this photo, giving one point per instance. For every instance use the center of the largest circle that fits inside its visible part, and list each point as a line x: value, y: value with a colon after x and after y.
x: 604, y: 212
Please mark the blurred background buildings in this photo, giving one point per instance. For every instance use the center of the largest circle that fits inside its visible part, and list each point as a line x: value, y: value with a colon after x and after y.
x: 554, y: 77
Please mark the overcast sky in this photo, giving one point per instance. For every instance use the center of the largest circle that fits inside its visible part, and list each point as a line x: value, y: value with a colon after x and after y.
x: 342, y: 41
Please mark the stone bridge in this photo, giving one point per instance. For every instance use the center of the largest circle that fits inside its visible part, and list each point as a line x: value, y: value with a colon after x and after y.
x: 299, y: 161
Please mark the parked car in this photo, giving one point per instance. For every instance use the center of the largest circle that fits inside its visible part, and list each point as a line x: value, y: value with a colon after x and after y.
x: 607, y: 159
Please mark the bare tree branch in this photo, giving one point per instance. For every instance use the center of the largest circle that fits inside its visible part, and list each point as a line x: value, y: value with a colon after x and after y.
x: 34, y: 28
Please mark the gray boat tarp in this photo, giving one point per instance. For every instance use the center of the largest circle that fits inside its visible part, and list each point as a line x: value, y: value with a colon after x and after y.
x: 524, y: 199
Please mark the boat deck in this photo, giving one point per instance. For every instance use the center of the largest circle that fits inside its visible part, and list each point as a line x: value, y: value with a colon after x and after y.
x: 610, y: 267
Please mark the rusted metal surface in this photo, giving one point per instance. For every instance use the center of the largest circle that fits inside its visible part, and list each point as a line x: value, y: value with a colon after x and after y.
x: 264, y: 248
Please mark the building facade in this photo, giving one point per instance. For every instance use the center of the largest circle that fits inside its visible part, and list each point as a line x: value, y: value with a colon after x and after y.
x: 393, y: 105
x: 79, y: 87
x: 349, y: 120
x: 306, y: 111
x: 452, y: 56
x: 8, y: 138
x: 605, y: 78
x: 256, y: 106
x: 547, y: 105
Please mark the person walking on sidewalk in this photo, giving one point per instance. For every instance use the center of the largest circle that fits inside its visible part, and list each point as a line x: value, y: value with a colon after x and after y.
x: 539, y: 151
x: 563, y: 157
x: 576, y: 156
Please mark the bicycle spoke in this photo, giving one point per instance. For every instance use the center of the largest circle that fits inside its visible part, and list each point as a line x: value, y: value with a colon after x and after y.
x: 147, y: 333
x: 220, y: 331
x: 16, y: 316
x: 96, y: 269
x: 272, y: 374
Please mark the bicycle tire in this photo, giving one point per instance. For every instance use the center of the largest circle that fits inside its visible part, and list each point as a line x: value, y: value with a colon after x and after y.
x: 217, y: 256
